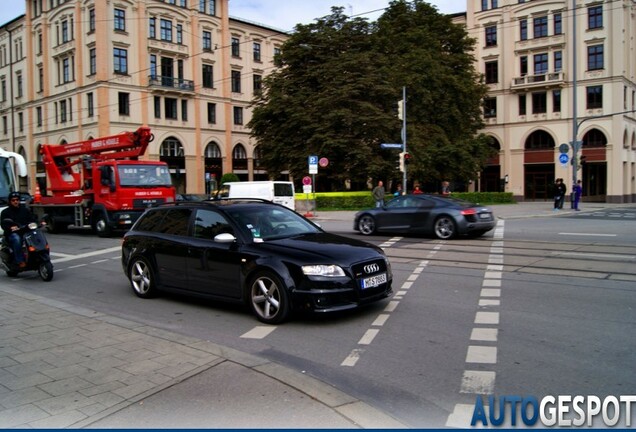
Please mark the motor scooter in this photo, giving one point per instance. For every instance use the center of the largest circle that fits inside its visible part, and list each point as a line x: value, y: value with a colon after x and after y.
x: 35, y: 248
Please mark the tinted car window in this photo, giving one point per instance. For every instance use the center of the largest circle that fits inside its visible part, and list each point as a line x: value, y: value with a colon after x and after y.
x: 208, y: 224
x: 175, y: 222
x: 150, y: 221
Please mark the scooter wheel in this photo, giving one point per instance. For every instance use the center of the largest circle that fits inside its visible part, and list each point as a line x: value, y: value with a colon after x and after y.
x: 46, y: 271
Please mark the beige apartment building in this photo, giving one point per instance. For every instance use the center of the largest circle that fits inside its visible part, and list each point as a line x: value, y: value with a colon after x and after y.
x: 72, y: 70
x: 535, y: 55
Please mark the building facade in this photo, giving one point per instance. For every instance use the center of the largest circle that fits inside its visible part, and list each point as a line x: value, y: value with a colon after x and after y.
x: 72, y: 70
x: 556, y: 69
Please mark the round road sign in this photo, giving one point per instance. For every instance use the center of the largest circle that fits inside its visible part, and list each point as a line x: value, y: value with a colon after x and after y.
x: 323, y: 162
x: 306, y: 180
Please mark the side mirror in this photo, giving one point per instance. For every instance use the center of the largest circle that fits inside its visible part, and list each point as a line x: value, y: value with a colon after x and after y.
x: 224, y: 238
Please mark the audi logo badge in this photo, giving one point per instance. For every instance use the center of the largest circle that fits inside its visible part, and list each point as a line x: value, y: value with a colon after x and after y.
x: 371, y: 268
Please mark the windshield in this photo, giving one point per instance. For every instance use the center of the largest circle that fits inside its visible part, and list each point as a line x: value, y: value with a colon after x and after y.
x: 7, y: 183
x: 144, y: 175
x: 269, y: 223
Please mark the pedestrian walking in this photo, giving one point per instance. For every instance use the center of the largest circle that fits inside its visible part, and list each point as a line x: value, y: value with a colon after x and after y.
x: 446, y: 188
x: 578, y: 192
x: 378, y: 194
x: 417, y: 190
x: 557, y: 194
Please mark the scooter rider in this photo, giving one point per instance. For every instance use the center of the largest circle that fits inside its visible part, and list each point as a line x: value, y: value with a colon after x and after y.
x: 12, y: 218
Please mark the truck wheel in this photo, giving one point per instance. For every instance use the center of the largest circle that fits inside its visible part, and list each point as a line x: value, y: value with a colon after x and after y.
x: 54, y: 226
x: 101, y: 227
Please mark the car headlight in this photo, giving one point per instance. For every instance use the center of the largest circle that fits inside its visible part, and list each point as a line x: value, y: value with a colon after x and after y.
x: 323, y: 270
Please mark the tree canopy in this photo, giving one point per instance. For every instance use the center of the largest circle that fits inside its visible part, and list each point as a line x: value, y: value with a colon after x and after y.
x: 336, y: 89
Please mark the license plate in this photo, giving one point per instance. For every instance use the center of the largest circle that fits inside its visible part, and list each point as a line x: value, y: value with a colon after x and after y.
x: 374, y: 281
x: 484, y: 215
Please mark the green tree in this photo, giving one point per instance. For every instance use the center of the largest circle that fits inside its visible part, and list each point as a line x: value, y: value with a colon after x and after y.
x: 329, y: 98
x: 432, y: 58
x: 336, y: 89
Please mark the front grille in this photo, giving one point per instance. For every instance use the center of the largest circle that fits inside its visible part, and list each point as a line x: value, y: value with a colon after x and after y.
x: 147, y: 202
x: 367, y: 269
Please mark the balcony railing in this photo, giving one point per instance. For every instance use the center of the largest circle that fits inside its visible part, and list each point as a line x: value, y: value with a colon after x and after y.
x: 170, y: 83
x: 541, y: 80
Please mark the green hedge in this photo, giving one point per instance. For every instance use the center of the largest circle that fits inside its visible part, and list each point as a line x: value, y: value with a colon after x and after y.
x: 363, y: 199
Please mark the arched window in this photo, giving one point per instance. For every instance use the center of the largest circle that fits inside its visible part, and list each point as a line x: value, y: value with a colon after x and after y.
x: 171, y: 147
x: 539, y: 140
x: 212, y: 150
x: 239, y: 152
x: 594, y: 138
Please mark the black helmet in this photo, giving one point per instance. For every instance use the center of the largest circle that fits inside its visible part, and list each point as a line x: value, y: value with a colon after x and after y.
x: 13, y: 195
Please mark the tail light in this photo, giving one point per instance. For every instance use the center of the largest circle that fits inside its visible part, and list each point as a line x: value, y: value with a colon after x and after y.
x: 469, y: 212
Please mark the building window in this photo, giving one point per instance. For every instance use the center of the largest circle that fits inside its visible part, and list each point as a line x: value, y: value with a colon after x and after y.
x: 39, y: 43
x: 166, y: 30
x: 558, y: 24
x: 5, y: 125
x: 558, y: 61
x: 523, y: 65
x: 257, y: 51
x: 170, y: 107
x: 62, y: 111
x: 157, y: 107
x: 124, y: 103
x: 208, y: 76
x: 90, y: 104
x: 207, y: 6
x: 65, y: 32
x: 38, y: 115
x: 484, y: 5
x: 91, y: 20
x: 595, y: 57
x: 540, y: 27
x: 523, y: 30
x: 18, y: 77
x: 556, y: 101
x: 20, y: 122
x: 540, y: 64
x: 66, y: 70
x: 152, y: 28
x: 153, y: 66
x: 40, y: 79
x: 179, y: 34
x: 236, y: 51
x: 3, y: 89
x: 171, y: 147
x: 207, y: 41
x: 184, y: 110
x: 594, y: 97
x: 92, y: 55
x: 211, y: 113
x: 238, y: 115
x: 121, y: 60
x: 492, y: 72
x: 258, y: 83
x: 595, y: 17
x: 236, y: 81
x: 491, y: 36
x: 490, y: 107
x: 522, y: 104
x: 120, y: 20
x: 539, y: 103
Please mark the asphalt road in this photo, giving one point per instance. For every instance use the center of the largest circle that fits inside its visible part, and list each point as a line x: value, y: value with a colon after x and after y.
x: 527, y: 309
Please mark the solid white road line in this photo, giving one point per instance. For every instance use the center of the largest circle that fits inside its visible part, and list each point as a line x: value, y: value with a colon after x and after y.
x: 86, y: 255
x: 587, y: 234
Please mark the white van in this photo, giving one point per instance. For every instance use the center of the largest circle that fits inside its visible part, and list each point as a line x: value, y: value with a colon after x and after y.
x: 280, y: 192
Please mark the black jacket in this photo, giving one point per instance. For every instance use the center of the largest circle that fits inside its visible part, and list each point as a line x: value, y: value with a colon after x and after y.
x: 19, y: 216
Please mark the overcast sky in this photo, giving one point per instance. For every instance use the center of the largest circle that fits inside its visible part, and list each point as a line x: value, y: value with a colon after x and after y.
x: 280, y: 14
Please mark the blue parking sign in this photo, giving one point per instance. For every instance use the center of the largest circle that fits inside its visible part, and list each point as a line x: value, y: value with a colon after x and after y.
x: 564, y: 158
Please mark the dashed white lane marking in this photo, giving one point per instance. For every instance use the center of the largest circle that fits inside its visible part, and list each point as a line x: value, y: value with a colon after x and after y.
x: 99, y: 261
x: 368, y: 337
x: 352, y: 359
x: 77, y: 266
x: 258, y: 332
x: 390, y: 242
x: 483, y: 335
x: 595, y: 255
x: 86, y: 255
x: 380, y: 320
x: 588, y: 234
x: 481, y: 354
x: 487, y: 318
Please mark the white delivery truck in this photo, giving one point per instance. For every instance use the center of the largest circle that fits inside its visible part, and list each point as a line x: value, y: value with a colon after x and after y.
x: 280, y: 192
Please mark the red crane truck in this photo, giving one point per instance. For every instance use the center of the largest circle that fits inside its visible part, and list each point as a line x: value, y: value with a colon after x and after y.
x: 100, y: 183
